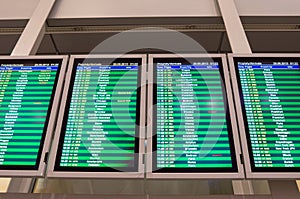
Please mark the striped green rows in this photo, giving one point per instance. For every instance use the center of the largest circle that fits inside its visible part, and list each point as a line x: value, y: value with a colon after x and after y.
x: 200, y: 165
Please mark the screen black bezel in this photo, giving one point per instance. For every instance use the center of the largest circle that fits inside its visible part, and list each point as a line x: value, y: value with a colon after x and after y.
x: 107, y: 61
x: 234, y: 168
x: 264, y: 60
x: 27, y: 62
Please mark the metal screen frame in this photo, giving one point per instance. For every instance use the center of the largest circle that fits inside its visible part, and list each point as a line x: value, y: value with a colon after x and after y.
x: 52, y: 118
x: 77, y: 174
x: 248, y: 172
x: 205, y: 175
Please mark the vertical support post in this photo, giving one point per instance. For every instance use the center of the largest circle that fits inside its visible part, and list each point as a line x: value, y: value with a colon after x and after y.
x: 234, y: 28
x: 34, y: 31
x: 28, y: 44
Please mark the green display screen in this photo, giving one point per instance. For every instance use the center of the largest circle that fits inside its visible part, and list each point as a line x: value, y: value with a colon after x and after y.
x: 192, y: 127
x: 26, y: 91
x: 270, y: 96
x: 100, y: 131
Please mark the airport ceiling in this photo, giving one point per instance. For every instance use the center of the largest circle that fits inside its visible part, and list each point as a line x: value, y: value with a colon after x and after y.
x: 80, y: 36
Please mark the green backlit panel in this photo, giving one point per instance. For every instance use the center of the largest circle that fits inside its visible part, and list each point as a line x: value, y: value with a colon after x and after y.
x: 270, y: 92
x: 26, y: 88
x: 100, y: 131
x: 193, y: 129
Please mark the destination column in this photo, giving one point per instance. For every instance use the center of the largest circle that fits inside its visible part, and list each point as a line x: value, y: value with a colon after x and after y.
x: 189, y: 108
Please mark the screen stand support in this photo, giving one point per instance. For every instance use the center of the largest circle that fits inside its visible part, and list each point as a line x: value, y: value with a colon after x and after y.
x: 251, y: 187
x: 242, y: 187
x: 20, y: 185
x: 28, y: 44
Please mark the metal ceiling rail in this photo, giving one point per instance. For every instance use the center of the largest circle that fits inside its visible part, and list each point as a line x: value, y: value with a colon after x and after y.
x: 11, y: 31
x: 154, y: 28
x: 143, y: 28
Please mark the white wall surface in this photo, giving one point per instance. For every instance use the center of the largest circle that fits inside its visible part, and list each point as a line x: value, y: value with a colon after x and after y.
x: 17, y: 9
x: 268, y: 7
x: 23, y: 9
x: 133, y: 8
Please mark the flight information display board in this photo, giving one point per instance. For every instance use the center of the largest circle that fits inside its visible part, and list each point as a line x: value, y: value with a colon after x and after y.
x: 27, y: 88
x: 100, y: 130
x: 269, y: 89
x: 191, y: 126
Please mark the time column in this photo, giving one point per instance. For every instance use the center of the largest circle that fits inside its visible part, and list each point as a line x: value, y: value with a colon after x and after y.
x: 4, y: 81
x: 74, y: 131
x: 5, y: 76
x: 165, y: 121
x: 257, y: 129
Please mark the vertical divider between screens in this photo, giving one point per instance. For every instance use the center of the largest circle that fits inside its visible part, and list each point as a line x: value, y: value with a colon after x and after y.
x: 235, y: 131
x: 54, y: 116
x: 143, y: 116
x: 149, y: 154
x: 232, y: 80
x: 53, y: 150
x: 241, y: 125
